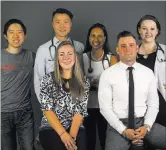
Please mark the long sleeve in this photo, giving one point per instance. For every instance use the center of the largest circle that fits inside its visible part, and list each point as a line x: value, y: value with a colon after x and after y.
x: 152, y: 103
x: 105, y: 96
x: 81, y: 106
x: 46, y: 99
x: 39, y: 70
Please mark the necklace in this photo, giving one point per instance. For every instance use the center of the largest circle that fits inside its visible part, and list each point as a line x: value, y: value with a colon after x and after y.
x: 98, y: 58
x: 146, y: 54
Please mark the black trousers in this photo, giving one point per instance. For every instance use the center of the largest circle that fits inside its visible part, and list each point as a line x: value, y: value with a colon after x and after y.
x: 162, y: 111
x: 93, y: 122
x: 50, y: 140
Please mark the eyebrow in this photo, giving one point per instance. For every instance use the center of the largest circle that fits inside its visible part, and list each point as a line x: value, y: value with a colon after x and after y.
x: 61, y: 20
x: 64, y: 52
x: 15, y: 30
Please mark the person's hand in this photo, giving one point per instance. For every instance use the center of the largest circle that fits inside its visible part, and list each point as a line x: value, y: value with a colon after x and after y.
x: 137, y: 141
x: 129, y: 134
x: 68, y: 141
x: 164, y: 86
x: 140, y: 132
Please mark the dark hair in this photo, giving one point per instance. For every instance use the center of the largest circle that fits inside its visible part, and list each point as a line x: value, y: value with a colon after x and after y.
x: 14, y: 21
x: 88, y: 47
x: 125, y: 34
x: 62, y: 11
x: 148, y: 17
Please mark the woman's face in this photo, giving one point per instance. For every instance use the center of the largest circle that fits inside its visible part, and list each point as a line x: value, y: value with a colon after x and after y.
x: 148, y: 31
x: 97, y: 38
x: 66, y: 57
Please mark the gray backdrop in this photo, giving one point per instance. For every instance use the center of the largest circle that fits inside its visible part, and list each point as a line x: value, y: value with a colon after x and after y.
x: 116, y: 16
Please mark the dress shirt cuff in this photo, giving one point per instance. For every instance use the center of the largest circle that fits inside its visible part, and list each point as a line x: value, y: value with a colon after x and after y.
x: 149, y: 122
x: 121, y: 128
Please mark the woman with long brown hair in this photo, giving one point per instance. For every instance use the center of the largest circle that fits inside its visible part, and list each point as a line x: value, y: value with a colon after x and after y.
x: 64, y: 96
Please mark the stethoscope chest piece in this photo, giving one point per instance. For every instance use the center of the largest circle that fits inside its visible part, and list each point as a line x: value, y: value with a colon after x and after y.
x: 90, y: 70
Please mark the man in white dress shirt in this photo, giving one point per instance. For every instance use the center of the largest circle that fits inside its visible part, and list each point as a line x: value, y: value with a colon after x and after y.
x: 44, y: 62
x: 113, y: 100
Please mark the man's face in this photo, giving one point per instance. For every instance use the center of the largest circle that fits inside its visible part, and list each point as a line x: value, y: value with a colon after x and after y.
x: 127, y: 49
x: 15, y: 36
x: 62, y: 25
x: 96, y: 38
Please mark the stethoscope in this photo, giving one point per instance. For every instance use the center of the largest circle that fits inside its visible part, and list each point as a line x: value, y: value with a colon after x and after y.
x: 159, y: 48
x: 54, y: 47
x: 90, y: 69
x: 160, y: 59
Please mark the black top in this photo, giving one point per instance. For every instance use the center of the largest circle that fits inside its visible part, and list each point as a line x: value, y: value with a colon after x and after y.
x: 147, y: 60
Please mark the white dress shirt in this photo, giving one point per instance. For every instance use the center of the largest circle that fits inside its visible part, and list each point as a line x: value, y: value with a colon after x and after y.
x: 113, y: 94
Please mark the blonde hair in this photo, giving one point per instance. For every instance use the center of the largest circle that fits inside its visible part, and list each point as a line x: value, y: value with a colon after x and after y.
x: 77, y: 74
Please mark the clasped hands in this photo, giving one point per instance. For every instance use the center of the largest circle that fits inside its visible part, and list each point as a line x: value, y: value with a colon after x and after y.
x: 136, y: 136
x: 69, y: 141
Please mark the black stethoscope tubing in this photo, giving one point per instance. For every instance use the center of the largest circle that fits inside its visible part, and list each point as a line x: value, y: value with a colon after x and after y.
x: 90, y: 69
x: 158, y: 48
x: 53, y: 46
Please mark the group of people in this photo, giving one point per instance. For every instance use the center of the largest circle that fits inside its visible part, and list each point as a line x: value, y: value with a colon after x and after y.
x: 85, y: 90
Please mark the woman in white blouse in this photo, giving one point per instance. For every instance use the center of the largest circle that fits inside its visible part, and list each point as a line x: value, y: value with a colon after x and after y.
x: 64, y: 96
x: 96, y: 59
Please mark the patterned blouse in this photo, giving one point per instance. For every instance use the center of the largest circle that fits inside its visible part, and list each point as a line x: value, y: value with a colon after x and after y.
x: 58, y: 100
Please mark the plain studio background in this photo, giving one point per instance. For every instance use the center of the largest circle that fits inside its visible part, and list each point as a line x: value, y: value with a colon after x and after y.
x: 116, y: 16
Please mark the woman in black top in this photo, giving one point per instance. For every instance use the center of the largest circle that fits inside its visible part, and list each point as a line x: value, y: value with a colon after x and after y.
x: 64, y: 96
x: 153, y: 55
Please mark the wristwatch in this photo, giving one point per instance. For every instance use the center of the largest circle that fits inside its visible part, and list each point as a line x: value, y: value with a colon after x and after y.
x: 147, y: 127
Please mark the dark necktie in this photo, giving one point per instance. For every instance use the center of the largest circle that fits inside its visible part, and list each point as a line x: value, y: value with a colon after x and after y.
x: 131, y: 121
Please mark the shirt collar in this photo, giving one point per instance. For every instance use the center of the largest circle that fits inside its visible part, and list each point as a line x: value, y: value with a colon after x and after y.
x: 57, y: 42
x: 124, y: 66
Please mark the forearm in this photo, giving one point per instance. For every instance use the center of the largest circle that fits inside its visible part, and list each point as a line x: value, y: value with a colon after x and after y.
x: 54, y: 122
x: 152, y: 104
x: 76, y: 123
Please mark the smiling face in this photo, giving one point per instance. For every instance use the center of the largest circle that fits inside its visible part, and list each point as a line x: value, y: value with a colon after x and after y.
x: 127, y: 49
x: 15, y: 36
x: 66, y: 57
x: 97, y: 38
x: 148, y: 31
x: 62, y: 25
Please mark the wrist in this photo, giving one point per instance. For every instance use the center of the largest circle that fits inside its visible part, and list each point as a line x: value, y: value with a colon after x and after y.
x: 62, y: 133
x: 74, y: 138
x: 124, y: 133
x: 147, y: 127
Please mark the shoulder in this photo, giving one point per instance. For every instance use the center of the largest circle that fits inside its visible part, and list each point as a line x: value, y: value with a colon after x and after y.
x: 86, y: 55
x: 29, y: 52
x: 144, y: 70
x: 78, y: 46
x: 111, y: 70
x: 163, y: 46
x: 48, y: 78
x: 44, y: 46
x: 78, y: 43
